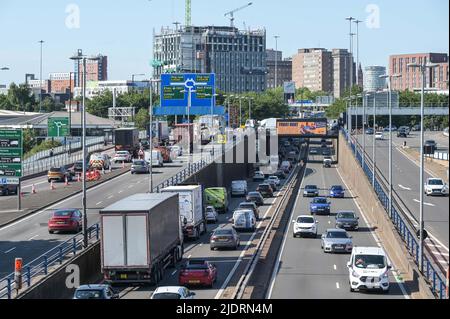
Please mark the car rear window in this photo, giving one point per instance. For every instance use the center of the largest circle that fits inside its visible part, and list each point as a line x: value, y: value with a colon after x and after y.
x: 55, y: 169
x: 63, y: 213
x: 196, y: 266
x: 221, y: 232
x: 166, y: 295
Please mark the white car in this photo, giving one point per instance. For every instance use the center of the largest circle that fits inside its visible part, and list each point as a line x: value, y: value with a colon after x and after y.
x: 239, y: 188
x: 379, y: 136
x: 258, y: 176
x: 173, y: 293
x: 435, y: 187
x: 305, y: 225
x: 211, y: 215
x: 368, y: 269
x: 244, y: 219
x: 275, y: 179
x: 122, y: 156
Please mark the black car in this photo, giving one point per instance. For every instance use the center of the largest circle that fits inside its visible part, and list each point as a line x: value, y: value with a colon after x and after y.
x: 95, y: 292
x: 6, y: 190
x: 77, y: 167
x: 280, y: 174
x: 255, y: 197
x: 430, y: 147
x: 347, y: 221
x: 402, y: 133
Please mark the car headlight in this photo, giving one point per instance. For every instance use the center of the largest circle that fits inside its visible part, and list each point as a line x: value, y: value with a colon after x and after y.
x: 355, y: 274
x: 384, y: 276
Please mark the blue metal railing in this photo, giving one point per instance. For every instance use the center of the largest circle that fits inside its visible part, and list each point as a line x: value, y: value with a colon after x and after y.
x: 402, y: 223
x: 42, y: 265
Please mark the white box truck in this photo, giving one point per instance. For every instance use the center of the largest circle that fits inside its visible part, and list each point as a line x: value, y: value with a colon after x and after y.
x: 141, y: 236
x: 192, y: 216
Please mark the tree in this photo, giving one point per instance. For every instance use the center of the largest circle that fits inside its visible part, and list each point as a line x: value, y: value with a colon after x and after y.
x: 142, y: 119
x: 99, y: 105
x: 19, y: 98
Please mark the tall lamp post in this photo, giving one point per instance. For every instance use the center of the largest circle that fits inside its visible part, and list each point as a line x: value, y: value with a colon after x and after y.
x: 250, y: 99
x: 374, y: 140
x: 80, y: 57
x: 389, y: 86
x: 189, y: 91
x: 150, y: 133
x: 357, y: 22
x: 4, y: 68
x: 40, y: 80
x: 423, y: 70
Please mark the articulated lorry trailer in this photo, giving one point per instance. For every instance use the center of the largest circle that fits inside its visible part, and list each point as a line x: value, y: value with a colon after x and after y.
x: 141, y: 236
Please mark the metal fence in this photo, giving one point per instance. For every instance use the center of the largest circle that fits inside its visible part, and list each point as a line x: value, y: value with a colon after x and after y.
x: 403, y: 224
x: 42, y: 265
x: 439, y: 156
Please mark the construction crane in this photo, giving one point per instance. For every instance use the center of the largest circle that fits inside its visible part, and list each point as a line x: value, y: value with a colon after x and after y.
x: 232, y: 12
x: 188, y: 13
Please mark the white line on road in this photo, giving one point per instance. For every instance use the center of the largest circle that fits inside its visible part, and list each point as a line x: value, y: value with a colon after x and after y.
x: 337, y: 285
x: 131, y: 186
x: 405, y: 188
x: 426, y: 204
x: 110, y: 196
x: 33, y: 237
x: 335, y: 267
x: 99, y: 203
x: 120, y: 192
x: 10, y: 250
x: 189, y: 257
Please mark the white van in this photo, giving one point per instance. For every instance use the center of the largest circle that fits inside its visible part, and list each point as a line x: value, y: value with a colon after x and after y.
x: 157, y: 160
x: 244, y: 219
x: 368, y: 269
x: 239, y: 188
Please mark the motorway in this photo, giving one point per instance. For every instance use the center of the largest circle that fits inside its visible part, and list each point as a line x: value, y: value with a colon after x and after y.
x: 225, y: 260
x: 303, y: 271
x: 406, y: 178
x: 28, y: 238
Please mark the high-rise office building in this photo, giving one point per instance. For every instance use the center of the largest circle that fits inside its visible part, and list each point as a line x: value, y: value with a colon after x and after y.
x: 343, y: 67
x: 96, y: 70
x: 283, y: 67
x: 313, y: 69
x: 238, y: 58
x: 411, y: 78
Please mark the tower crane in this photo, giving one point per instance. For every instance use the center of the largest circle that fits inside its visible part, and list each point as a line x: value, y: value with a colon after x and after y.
x: 232, y: 12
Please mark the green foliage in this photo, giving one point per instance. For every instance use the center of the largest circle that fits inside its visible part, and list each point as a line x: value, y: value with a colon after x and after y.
x: 142, y: 119
x: 45, y: 145
x: 29, y: 140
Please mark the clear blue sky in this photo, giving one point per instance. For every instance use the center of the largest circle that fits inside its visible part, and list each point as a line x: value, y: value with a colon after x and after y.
x: 123, y: 29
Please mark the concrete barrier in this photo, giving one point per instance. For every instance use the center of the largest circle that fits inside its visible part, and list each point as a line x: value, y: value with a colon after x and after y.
x: 60, y: 283
x: 355, y: 178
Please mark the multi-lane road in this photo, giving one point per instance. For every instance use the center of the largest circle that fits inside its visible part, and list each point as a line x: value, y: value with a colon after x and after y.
x: 28, y: 238
x: 406, y: 183
x: 303, y: 270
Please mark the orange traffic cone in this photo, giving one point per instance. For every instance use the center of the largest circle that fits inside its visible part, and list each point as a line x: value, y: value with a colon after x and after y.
x: 33, y: 189
x: 52, y: 186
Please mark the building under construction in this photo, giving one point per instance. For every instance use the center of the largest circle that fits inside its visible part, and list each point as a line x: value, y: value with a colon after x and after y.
x: 238, y: 58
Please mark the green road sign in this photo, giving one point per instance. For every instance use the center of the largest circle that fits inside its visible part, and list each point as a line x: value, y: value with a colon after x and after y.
x: 11, y: 154
x: 58, y: 126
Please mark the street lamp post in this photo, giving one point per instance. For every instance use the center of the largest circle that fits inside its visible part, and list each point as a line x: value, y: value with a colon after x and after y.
x: 423, y: 68
x: 79, y: 56
x: 365, y: 102
x: 40, y: 80
x: 250, y: 108
x: 389, y: 78
x: 374, y: 140
x: 189, y: 90
x: 357, y: 22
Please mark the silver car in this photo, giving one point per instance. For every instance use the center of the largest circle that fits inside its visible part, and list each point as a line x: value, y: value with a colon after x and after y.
x: 140, y: 167
x: 337, y: 241
x: 224, y: 238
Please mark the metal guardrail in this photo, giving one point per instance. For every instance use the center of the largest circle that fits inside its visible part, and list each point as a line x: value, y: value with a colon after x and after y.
x: 42, y: 265
x: 402, y: 223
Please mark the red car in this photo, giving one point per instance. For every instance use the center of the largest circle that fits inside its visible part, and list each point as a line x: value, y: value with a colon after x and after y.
x: 198, y: 272
x: 66, y: 220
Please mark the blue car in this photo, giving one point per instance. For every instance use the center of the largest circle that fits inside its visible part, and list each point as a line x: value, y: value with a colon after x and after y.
x: 337, y: 191
x: 320, y: 205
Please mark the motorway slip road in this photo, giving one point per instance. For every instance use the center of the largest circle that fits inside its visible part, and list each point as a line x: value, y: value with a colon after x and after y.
x: 303, y: 270
x: 28, y: 238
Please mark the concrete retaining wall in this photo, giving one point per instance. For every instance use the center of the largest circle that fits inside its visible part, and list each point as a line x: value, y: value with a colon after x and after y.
x: 55, y: 286
x: 378, y: 219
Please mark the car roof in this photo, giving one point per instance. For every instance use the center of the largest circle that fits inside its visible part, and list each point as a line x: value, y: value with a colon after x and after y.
x: 369, y: 251
x: 168, y: 289
x: 93, y: 287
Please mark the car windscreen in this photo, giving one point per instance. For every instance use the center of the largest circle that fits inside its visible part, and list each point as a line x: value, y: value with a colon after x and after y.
x: 89, y: 294
x: 346, y: 215
x: 311, y: 187
x: 166, y: 295
x: 320, y: 201
x: 435, y: 182
x: 63, y: 213
x: 337, y: 188
x: 370, y: 261
x: 337, y: 234
x: 305, y: 220
x: 253, y: 194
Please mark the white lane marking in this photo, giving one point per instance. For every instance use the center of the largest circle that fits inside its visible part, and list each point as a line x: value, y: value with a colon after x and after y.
x: 33, y: 237
x: 200, y: 245
x: 10, y: 250
x: 189, y: 257
x: 426, y: 204
x: 335, y: 267
x: 120, y: 192
x: 329, y: 222
x: 110, y: 196
x: 404, y: 188
x: 61, y: 202
x: 131, y: 186
x: 400, y: 284
x: 280, y: 253
x: 35, y: 184
x: 412, y: 160
x: 337, y: 285
x: 439, y: 243
x: 174, y: 273
x: 99, y: 203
